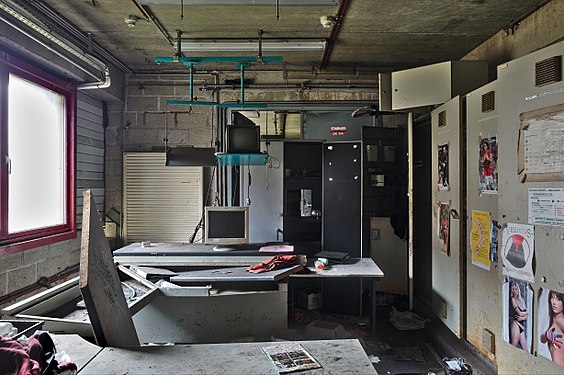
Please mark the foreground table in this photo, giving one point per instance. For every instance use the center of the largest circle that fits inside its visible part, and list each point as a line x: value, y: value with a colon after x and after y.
x: 335, y: 357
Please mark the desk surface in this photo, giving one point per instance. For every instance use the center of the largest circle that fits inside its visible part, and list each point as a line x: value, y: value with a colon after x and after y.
x: 355, y: 267
x: 177, y: 249
x: 186, y: 254
x: 336, y: 357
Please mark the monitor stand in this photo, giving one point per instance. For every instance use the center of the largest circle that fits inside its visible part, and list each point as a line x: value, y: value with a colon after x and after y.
x: 242, y: 246
x: 225, y: 247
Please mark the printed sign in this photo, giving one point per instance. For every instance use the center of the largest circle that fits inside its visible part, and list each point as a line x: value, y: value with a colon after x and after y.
x: 546, y: 206
x: 338, y: 130
x: 518, y: 250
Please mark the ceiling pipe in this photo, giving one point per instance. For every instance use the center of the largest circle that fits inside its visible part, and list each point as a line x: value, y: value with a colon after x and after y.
x: 340, y: 17
x: 63, y: 26
x: 102, y: 84
x: 48, y: 45
x: 150, y: 16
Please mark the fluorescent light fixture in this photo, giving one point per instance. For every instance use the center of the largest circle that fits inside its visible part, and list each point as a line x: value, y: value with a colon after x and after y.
x: 241, y: 2
x: 312, y: 45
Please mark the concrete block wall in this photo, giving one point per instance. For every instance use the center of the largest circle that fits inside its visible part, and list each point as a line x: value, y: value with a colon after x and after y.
x: 26, y: 268
x: 138, y: 124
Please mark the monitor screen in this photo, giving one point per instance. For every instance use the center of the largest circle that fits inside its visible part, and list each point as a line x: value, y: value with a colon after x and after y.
x: 226, y: 225
x: 243, y: 139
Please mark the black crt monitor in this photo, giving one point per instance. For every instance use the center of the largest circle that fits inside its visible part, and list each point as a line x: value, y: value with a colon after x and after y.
x: 226, y: 225
x: 243, y: 139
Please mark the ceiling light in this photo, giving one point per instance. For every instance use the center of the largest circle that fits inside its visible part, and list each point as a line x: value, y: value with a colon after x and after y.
x: 311, y: 45
x: 241, y: 2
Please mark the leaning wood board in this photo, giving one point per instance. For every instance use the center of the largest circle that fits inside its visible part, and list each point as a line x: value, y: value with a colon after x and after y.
x: 100, y: 284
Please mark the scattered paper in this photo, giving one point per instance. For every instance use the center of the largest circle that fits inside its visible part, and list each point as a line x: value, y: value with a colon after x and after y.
x: 374, y: 359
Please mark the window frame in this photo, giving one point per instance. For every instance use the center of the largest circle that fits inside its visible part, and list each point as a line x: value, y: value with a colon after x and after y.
x: 16, y: 242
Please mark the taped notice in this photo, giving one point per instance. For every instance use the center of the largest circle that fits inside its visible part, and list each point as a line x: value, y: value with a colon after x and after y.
x: 546, y: 206
x: 540, y: 152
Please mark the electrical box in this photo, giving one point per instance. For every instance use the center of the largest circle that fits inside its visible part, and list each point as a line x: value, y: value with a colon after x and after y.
x: 435, y: 84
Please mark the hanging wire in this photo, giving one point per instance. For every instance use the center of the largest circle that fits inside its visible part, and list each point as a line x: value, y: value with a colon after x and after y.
x: 248, y: 201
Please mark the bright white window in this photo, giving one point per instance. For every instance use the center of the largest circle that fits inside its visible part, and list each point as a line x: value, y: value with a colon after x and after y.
x: 36, y: 152
x: 37, y: 162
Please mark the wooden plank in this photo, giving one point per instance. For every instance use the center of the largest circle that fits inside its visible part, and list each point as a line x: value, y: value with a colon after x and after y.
x: 100, y: 284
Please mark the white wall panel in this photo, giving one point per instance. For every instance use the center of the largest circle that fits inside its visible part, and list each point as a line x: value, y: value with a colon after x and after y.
x: 89, y: 152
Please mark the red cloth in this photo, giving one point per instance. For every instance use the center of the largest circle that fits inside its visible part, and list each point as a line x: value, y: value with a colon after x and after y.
x: 277, y: 261
x: 20, y: 358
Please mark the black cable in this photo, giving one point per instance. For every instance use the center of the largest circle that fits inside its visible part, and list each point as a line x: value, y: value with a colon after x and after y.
x: 249, y: 185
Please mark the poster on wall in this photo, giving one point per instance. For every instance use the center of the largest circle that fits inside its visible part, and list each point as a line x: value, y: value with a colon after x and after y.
x: 493, y: 241
x: 487, y: 165
x: 551, y: 325
x: 480, y: 235
x: 442, y: 182
x: 518, y: 250
x: 546, y: 206
x: 443, y: 226
x: 517, y: 314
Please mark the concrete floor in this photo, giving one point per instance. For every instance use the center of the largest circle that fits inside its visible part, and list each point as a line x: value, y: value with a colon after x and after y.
x: 403, y: 352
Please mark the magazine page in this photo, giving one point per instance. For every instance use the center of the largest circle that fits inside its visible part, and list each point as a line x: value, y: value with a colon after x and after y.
x: 288, y: 357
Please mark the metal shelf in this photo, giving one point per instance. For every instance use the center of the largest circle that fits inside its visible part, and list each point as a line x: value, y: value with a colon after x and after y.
x: 226, y: 159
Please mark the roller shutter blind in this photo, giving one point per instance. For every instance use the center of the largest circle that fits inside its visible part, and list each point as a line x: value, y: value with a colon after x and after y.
x: 161, y: 204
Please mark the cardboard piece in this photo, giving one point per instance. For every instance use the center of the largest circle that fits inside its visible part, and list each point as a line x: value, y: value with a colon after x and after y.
x: 309, y: 299
x: 320, y: 330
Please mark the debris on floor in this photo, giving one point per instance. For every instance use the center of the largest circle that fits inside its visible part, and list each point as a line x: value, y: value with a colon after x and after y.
x: 374, y: 359
x: 457, y: 366
x: 409, y: 353
x: 406, y: 320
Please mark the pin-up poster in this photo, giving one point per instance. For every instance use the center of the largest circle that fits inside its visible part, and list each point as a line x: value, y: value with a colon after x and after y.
x: 442, y: 182
x: 443, y: 226
x: 517, y: 314
x: 480, y: 236
x: 487, y: 166
x: 551, y: 325
x: 518, y: 250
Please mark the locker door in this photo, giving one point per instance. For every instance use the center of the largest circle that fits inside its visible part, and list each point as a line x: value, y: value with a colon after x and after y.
x: 447, y: 208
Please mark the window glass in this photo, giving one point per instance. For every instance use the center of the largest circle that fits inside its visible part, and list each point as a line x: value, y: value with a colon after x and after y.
x: 36, y: 152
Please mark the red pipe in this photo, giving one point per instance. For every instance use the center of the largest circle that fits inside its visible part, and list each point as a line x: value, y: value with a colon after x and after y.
x: 340, y: 18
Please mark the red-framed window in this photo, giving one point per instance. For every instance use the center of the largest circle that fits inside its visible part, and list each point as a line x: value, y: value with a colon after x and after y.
x: 37, y: 163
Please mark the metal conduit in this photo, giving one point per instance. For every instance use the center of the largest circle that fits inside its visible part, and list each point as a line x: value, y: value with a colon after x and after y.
x: 43, y: 11
x: 101, y: 82
x: 334, y: 33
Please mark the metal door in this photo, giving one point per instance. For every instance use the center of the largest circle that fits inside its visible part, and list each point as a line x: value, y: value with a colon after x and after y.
x: 447, y: 182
